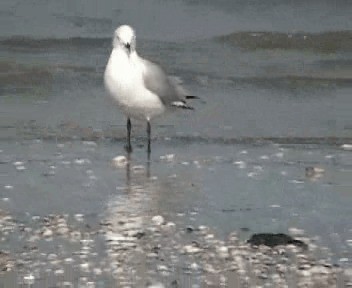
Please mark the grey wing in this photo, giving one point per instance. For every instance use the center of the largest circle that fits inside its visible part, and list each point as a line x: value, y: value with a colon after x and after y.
x: 156, y: 80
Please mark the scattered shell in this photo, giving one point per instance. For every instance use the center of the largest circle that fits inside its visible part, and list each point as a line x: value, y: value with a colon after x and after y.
x: 47, y: 233
x: 295, y: 231
x: 90, y: 143
x: 119, y: 161
x: 155, y: 285
x: 279, y: 155
x: 194, y: 266
x: 240, y: 164
x: 59, y: 272
x: 69, y: 260
x: 28, y: 279
x: 346, y: 146
x: 314, y: 172
x: 348, y: 273
x: 138, y: 169
x: 252, y: 174
x: 158, y: 220
x: 84, y: 267
x: 170, y: 225
x: 223, y: 252
x: 21, y: 168
x: 49, y: 173
x: 209, y: 236
x: 62, y: 230
x: 79, y: 217
x: 162, y: 268
x: 296, y: 181
x: 168, y: 157
x: 190, y: 249
x: 203, y: 229
x: 82, y: 161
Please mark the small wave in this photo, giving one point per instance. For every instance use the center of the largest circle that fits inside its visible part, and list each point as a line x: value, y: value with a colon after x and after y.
x: 19, y: 42
x: 326, y: 42
x: 26, y: 77
x: 13, y: 74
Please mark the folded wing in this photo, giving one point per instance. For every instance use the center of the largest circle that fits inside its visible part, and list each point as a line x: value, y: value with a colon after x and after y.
x: 157, y: 81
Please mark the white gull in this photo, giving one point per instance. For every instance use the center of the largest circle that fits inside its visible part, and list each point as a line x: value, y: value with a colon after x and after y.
x: 140, y: 87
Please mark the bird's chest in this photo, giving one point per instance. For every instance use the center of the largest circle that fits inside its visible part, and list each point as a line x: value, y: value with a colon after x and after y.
x: 126, y: 76
x: 122, y: 78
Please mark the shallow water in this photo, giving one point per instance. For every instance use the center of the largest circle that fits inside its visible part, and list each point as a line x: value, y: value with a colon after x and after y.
x: 275, y: 82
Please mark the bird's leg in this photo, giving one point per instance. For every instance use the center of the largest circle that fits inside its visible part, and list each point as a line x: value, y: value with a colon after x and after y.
x: 128, y: 146
x: 148, y: 132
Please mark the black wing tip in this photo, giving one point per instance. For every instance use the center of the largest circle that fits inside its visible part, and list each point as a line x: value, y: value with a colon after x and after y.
x: 187, y: 107
x: 192, y: 97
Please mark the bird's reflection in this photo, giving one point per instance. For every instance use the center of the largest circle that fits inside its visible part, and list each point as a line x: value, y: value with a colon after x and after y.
x: 128, y: 170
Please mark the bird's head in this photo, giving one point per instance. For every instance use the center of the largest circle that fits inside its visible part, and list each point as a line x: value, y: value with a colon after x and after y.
x: 125, y: 38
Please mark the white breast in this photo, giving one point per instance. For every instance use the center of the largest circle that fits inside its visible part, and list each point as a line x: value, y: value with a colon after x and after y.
x: 124, y: 82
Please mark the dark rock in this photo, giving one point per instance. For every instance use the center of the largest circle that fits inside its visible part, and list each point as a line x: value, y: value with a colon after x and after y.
x: 189, y: 229
x: 174, y: 284
x: 272, y: 240
x: 139, y: 235
x: 229, y: 210
x: 156, y: 249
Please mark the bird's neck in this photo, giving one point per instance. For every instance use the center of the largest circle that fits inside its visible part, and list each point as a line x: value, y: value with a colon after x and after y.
x: 120, y: 54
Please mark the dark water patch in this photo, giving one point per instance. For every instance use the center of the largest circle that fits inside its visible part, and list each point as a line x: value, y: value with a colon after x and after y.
x: 89, y: 22
x: 73, y: 131
x: 39, y: 44
x: 262, y: 140
x: 335, y: 64
x: 30, y: 77
x: 326, y: 42
x: 310, y: 80
x: 11, y: 67
x: 22, y: 79
x: 296, y: 82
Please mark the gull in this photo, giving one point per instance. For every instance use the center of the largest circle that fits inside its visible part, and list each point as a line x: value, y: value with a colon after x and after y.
x: 141, y: 88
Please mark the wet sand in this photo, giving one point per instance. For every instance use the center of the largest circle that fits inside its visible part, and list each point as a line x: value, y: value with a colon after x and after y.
x: 74, y: 214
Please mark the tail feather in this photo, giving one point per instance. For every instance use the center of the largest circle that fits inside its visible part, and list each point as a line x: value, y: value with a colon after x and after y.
x: 181, y: 104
